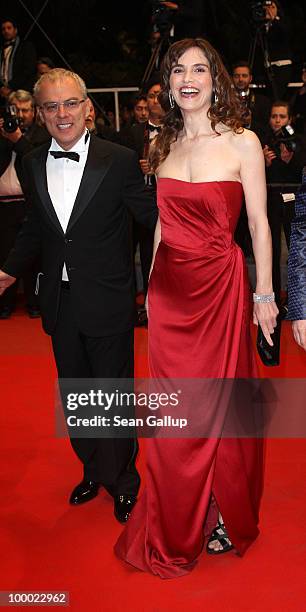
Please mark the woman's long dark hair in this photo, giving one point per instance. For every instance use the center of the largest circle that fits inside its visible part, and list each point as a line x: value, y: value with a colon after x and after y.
x: 225, y: 107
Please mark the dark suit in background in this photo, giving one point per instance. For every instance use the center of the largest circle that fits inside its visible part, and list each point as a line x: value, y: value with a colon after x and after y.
x: 22, y: 65
x: 137, y: 137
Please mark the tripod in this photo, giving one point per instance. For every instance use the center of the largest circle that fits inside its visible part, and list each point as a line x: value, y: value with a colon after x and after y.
x: 260, y: 40
x: 155, y: 59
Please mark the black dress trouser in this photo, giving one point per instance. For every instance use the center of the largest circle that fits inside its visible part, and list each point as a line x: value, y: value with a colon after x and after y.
x: 280, y: 215
x: 108, y: 461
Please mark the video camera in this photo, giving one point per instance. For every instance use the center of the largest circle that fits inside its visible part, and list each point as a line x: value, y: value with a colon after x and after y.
x: 161, y: 16
x: 258, y: 10
x: 11, y: 121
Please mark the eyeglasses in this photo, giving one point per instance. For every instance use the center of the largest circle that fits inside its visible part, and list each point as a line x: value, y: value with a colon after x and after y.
x: 53, y: 107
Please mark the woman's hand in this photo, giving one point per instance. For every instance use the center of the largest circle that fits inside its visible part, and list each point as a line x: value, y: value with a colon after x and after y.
x: 264, y: 314
x: 299, y: 332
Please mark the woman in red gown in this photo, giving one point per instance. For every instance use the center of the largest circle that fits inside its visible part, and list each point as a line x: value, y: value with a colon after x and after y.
x: 199, y: 314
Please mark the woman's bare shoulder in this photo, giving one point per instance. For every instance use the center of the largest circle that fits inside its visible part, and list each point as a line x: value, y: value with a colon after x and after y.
x: 246, y: 141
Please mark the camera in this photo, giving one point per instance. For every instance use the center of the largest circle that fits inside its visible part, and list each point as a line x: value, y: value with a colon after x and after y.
x: 286, y: 136
x: 259, y: 10
x: 11, y: 121
x: 161, y: 16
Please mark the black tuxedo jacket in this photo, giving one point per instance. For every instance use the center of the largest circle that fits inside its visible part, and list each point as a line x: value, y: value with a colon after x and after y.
x: 22, y: 64
x: 133, y: 137
x: 96, y: 245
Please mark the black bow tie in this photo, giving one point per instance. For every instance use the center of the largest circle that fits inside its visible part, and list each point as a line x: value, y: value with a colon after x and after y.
x: 154, y: 128
x: 9, y: 43
x: 70, y: 154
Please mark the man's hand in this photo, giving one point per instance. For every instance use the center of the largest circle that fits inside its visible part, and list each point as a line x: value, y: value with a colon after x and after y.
x: 145, y: 166
x: 6, y: 280
x: 286, y: 156
x: 269, y: 155
x: 270, y: 13
x: 299, y: 332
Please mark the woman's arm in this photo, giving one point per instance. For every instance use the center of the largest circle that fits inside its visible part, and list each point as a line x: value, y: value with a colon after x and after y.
x: 252, y: 172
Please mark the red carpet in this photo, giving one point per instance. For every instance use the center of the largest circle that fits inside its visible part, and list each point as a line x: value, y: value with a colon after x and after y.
x: 47, y: 545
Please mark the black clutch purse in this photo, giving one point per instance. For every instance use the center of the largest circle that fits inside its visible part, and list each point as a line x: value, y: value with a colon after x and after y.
x: 269, y: 355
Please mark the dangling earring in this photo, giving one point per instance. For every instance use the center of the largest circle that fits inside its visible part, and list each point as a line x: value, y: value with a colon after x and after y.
x: 214, y: 98
x: 171, y: 99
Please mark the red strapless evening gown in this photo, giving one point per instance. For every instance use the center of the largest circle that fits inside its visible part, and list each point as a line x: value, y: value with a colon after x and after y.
x: 199, y: 316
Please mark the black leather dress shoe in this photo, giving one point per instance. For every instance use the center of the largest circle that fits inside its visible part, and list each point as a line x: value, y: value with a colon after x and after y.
x: 123, y: 506
x: 5, y: 312
x: 84, y: 492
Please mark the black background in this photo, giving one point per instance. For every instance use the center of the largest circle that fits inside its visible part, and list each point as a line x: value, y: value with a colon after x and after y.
x: 107, y: 42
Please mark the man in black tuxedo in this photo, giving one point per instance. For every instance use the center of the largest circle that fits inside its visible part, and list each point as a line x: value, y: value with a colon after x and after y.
x: 138, y: 137
x: 17, y: 60
x: 257, y: 106
x: 79, y: 221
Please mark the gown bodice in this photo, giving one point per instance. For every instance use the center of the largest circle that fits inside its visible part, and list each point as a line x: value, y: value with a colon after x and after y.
x: 197, y: 216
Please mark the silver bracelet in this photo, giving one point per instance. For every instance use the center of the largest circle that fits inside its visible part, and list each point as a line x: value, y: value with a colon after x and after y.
x: 263, y: 298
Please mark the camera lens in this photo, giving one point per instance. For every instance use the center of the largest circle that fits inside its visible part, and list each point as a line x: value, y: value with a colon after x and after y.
x: 11, y: 121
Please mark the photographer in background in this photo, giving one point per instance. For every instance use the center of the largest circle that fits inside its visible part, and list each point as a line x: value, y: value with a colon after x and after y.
x: 19, y: 134
x: 285, y: 155
x: 257, y: 107
x: 140, y: 108
x: 17, y: 60
x: 277, y: 34
x: 162, y: 17
x: 43, y: 65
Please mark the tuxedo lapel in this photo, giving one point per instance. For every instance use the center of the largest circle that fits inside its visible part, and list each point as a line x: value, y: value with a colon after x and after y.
x: 40, y: 178
x: 97, y: 164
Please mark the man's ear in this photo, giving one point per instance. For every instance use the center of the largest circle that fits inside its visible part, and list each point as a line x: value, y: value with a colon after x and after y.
x: 87, y: 108
x: 40, y: 116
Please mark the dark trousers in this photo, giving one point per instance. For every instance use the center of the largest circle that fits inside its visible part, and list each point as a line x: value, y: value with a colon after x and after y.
x: 279, y: 215
x: 110, y: 462
x: 12, y: 215
x: 145, y: 238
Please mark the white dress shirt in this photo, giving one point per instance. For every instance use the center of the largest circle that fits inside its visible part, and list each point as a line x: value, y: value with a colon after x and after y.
x: 63, y: 178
